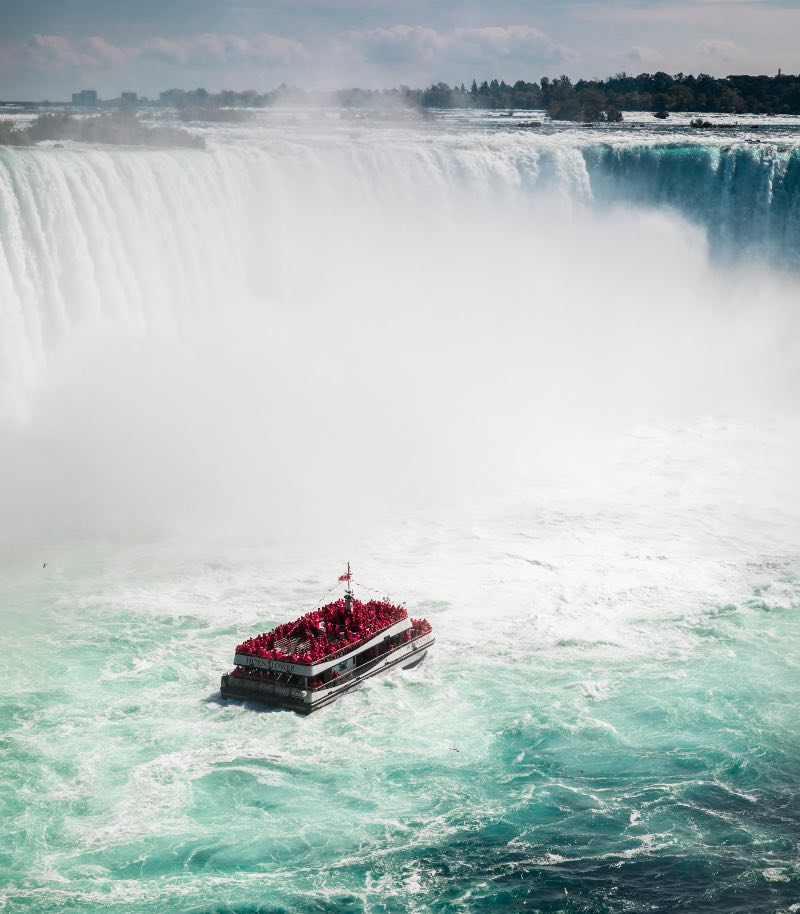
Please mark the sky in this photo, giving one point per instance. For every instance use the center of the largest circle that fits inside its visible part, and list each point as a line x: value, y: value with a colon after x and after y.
x: 50, y: 48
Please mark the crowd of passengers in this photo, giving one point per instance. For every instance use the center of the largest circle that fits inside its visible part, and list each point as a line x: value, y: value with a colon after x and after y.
x: 418, y: 627
x: 326, y: 630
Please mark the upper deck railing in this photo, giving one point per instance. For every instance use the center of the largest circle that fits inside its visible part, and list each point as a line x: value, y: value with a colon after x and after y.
x: 355, y: 671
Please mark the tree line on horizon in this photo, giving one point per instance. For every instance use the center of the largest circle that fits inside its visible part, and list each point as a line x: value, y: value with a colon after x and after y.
x: 604, y: 99
x: 560, y: 98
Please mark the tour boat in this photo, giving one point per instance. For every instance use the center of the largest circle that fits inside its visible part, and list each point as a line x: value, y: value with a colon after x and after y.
x: 306, y: 664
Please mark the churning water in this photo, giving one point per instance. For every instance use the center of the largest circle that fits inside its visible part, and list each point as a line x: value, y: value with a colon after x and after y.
x: 541, y: 384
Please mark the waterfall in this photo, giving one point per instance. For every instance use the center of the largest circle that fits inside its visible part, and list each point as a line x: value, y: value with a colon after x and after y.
x: 746, y: 195
x: 201, y: 320
x: 152, y: 240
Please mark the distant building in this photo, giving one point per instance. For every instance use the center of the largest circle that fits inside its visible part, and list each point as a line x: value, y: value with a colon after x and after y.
x: 129, y: 100
x: 86, y: 97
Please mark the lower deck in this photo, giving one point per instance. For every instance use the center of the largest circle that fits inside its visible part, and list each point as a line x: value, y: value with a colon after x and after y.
x: 305, y: 696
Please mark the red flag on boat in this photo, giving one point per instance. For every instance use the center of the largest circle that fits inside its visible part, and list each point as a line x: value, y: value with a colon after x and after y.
x: 344, y: 577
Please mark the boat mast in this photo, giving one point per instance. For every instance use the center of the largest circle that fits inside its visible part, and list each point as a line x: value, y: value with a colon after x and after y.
x: 348, y: 594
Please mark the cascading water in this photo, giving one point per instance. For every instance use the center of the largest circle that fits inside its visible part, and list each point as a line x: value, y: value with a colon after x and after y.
x: 156, y: 241
x: 543, y: 386
x: 746, y: 196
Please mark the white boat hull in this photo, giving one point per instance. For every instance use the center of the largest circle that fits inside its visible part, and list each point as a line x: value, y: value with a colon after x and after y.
x: 304, y: 701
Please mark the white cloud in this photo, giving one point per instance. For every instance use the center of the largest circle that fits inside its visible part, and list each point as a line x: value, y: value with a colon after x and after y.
x: 472, y: 46
x: 214, y: 50
x: 641, y: 53
x: 59, y: 53
x: 53, y: 51
x: 167, y: 51
x: 101, y: 53
x: 398, y: 43
x: 520, y: 42
x: 56, y: 52
x: 718, y: 48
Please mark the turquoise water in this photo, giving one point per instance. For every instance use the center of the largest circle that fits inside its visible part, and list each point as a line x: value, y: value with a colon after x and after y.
x: 619, y: 733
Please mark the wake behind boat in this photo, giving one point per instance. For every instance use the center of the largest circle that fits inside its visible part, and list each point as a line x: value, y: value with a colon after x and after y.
x: 308, y: 663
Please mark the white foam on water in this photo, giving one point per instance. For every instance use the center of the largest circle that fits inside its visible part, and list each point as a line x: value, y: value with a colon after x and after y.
x: 775, y: 874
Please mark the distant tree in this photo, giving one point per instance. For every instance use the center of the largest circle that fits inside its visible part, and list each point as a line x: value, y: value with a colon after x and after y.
x: 438, y: 96
x: 679, y: 98
x: 661, y: 82
x: 591, y: 104
x: 792, y: 98
x: 526, y: 95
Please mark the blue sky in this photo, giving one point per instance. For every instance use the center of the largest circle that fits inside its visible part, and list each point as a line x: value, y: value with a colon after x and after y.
x: 48, y: 48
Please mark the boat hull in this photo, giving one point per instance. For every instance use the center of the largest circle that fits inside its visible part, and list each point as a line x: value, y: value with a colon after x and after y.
x: 235, y: 688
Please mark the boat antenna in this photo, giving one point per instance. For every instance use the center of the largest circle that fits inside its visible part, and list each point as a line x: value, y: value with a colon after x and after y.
x: 348, y: 593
